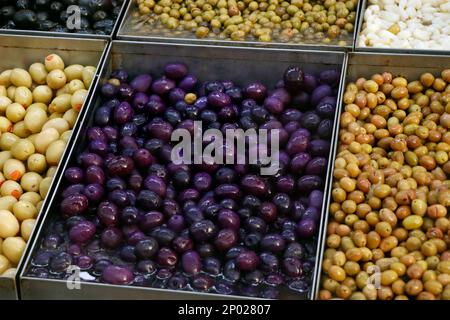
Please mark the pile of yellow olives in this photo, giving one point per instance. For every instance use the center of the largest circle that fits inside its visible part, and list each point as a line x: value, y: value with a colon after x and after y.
x: 389, y: 230
x: 38, y: 109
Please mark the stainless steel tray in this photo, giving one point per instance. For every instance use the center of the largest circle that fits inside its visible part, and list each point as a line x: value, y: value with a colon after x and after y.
x: 364, y: 64
x: 209, y: 63
x: 127, y: 31
x: 357, y: 47
x: 21, y: 51
x: 70, y: 34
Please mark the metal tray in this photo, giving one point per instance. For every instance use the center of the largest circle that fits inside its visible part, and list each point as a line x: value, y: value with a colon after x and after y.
x: 365, y: 64
x: 70, y: 34
x: 127, y: 32
x: 358, y: 48
x: 209, y: 63
x: 21, y: 51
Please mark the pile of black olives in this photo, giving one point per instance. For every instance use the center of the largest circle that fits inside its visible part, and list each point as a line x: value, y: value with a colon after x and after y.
x: 95, y: 16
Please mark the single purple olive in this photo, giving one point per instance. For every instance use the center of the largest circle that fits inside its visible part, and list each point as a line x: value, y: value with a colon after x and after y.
x: 247, y: 261
x: 82, y: 232
x: 117, y: 275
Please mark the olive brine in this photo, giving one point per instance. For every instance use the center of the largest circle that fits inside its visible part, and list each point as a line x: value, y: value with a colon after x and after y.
x: 129, y: 216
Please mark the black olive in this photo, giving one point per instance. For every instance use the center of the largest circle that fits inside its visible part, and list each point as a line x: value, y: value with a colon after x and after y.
x: 95, y: 5
x: 70, y: 2
x: 22, y: 4
x: 46, y: 25
x: 116, y: 11
x: 99, y: 15
x: 64, y: 16
x: 25, y: 19
x: 7, y: 12
x: 42, y: 15
x: 84, y: 23
x: 60, y: 28
x: 42, y: 4
x: 56, y: 7
x: 107, y: 23
x: 84, y: 12
x: 10, y: 25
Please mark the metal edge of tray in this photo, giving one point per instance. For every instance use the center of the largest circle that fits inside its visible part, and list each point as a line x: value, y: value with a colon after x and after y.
x: 35, y: 288
x: 328, y: 183
x: 121, y: 35
x: 361, y: 61
x: 358, y: 48
x: 38, y: 33
x: 24, y: 42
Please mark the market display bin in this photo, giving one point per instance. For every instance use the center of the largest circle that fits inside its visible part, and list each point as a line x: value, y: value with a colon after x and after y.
x: 21, y: 51
x: 360, y: 26
x: 133, y: 28
x: 71, y: 34
x: 359, y: 65
x: 208, y: 63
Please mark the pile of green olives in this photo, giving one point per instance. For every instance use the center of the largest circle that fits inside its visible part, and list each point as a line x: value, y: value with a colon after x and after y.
x: 294, y: 21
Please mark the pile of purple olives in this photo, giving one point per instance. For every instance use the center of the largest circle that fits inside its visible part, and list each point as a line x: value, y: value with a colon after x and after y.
x: 130, y: 216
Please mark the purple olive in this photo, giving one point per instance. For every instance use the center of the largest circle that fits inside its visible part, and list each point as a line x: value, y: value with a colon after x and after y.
x: 140, y: 101
x: 228, y: 219
x: 298, y: 142
x: 203, y: 230
x: 299, y: 162
x: 218, y: 99
x: 94, y: 192
x: 141, y: 83
x: 155, y: 184
x: 293, y: 79
x: 316, y: 166
x: 95, y: 174
x: 176, y: 71
x: 268, y: 212
x: 98, y: 147
x: 256, y: 91
x: 273, y: 243
x: 123, y: 113
x: 225, y: 239
x: 315, y: 199
x: 292, y: 267
x: 166, y: 257
x: 247, y: 261
x: 320, y: 92
x: 117, y: 275
x: 108, y: 213
x: 308, y: 183
x: 274, y: 105
x: 182, y: 244
x: 319, y: 148
x: 188, y: 83
x: 230, y: 191
x: 74, y: 175
x: 120, y: 166
x: 74, y: 204
x: 90, y: 159
x: 285, y: 184
x: 176, y: 94
x: 330, y: 77
x: 146, y: 248
x: 82, y: 232
x: 190, y: 262
x: 111, y: 237
x: 306, y: 228
x: 151, y: 220
x: 163, y: 86
x: 160, y: 129
x: 254, y: 185
x: 310, y: 82
x: 326, y: 108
